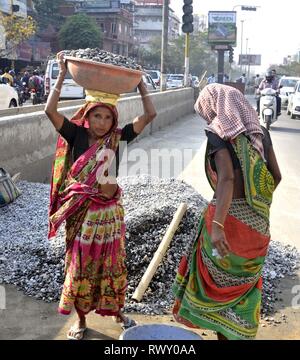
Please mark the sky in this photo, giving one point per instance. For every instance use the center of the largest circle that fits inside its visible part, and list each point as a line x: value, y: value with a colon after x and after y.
x: 272, y: 30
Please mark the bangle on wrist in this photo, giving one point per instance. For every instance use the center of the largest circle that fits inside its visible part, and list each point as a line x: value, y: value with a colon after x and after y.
x: 219, y: 224
x: 56, y: 89
x: 143, y: 96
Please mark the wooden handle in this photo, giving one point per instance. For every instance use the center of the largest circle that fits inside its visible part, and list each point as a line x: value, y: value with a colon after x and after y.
x: 159, y: 254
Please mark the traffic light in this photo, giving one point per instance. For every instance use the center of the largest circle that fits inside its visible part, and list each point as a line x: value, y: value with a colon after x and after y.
x: 187, y: 18
x: 230, y: 55
x: 249, y: 8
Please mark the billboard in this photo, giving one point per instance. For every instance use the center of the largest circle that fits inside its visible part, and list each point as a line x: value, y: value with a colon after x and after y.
x: 222, y: 27
x: 250, y: 59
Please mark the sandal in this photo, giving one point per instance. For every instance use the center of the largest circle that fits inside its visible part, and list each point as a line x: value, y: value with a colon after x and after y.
x: 76, y: 331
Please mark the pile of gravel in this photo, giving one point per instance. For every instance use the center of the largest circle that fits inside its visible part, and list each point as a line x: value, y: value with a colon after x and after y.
x: 35, y: 265
x: 105, y: 57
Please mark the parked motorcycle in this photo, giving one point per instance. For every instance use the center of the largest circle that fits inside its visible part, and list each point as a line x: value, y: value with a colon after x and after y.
x: 268, y: 106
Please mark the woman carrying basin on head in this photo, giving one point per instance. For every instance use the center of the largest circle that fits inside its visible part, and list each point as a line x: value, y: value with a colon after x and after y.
x: 218, y: 285
x: 95, y: 271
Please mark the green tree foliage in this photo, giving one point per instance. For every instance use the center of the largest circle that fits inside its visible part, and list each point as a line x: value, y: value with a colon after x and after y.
x: 80, y: 31
x: 202, y: 58
x: 16, y: 30
x: 48, y: 13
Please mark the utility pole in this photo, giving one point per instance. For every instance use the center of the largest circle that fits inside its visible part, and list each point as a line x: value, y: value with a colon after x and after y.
x: 221, y: 66
x: 164, y: 45
x: 187, y: 28
x: 242, y: 30
x: 249, y: 64
x: 187, y: 60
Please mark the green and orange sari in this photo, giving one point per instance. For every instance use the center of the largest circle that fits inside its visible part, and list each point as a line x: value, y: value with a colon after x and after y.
x: 224, y: 294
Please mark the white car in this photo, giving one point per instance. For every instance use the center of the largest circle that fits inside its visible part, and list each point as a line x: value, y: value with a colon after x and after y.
x: 287, y: 84
x: 155, y: 75
x: 175, y: 81
x: 149, y: 82
x: 70, y: 89
x: 293, y: 108
x: 8, y: 96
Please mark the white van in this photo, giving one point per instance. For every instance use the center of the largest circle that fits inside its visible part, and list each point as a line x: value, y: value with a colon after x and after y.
x: 69, y: 90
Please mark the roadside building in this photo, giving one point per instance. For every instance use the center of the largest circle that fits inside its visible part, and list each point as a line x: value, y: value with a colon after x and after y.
x: 32, y: 52
x: 115, y: 20
x: 148, y: 22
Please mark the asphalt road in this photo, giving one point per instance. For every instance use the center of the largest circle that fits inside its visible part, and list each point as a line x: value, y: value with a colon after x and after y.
x: 285, y: 210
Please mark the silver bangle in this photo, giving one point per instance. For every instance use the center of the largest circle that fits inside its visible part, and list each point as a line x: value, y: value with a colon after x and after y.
x: 56, y: 89
x: 143, y: 96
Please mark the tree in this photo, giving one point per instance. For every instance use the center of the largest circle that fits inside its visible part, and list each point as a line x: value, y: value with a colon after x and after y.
x: 80, y: 31
x: 202, y: 58
x: 17, y: 29
x: 48, y: 13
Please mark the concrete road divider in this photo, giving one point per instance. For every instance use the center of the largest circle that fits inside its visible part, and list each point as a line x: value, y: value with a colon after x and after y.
x: 28, y: 138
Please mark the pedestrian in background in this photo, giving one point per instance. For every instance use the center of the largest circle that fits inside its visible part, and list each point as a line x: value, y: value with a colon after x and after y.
x: 8, y: 76
x: 95, y: 271
x: 219, y: 285
x: 211, y: 79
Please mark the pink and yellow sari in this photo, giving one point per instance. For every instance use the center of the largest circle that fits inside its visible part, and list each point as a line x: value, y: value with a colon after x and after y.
x: 95, y: 271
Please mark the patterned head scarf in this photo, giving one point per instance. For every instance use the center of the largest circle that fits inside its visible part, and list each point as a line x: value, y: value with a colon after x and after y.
x: 229, y: 114
x: 81, y: 116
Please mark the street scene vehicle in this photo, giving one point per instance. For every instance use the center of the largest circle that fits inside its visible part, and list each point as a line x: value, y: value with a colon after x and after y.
x: 8, y: 96
x: 70, y: 90
x: 293, y: 107
x: 149, y: 82
x: 287, y: 86
x: 175, y: 81
x: 36, y: 96
x: 268, y: 107
x: 155, y: 75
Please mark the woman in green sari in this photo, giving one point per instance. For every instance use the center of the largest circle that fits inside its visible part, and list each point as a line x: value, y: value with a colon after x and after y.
x: 218, y: 285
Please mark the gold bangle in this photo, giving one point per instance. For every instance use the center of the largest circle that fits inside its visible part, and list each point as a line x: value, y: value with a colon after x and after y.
x: 216, y: 222
x: 56, y: 89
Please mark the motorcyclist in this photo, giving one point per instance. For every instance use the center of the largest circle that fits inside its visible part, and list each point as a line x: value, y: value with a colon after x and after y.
x: 25, y: 81
x: 25, y: 78
x: 13, y: 75
x: 35, y: 83
x: 270, y: 82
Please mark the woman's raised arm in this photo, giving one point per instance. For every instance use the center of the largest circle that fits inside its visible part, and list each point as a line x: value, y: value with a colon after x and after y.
x: 140, y: 122
x: 55, y: 117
